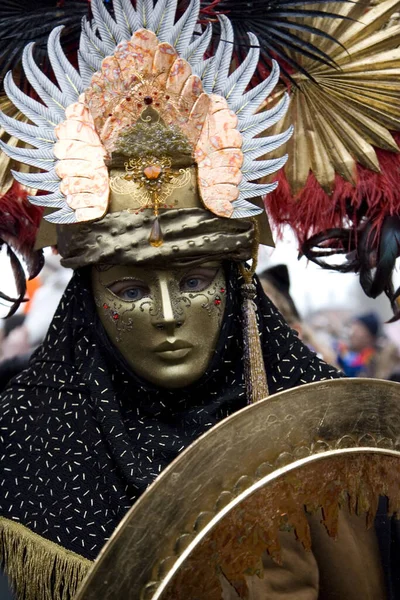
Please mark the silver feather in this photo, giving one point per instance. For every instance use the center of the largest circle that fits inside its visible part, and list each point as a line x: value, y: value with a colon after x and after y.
x: 45, y: 154
x: 56, y: 200
x: 262, y: 121
x: 223, y: 55
x: 253, y: 148
x: 72, y: 76
x: 24, y: 132
x: 65, y: 216
x: 114, y: 31
x: 45, y: 89
x: 90, y: 42
x: 160, y: 9
x: 103, y: 26
x: 85, y: 70
x: 148, y: 18
x: 140, y: 13
x: 167, y: 21
x: 36, y: 112
x: 70, y: 94
x: 238, y: 81
x: 252, y: 190
x: 35, y: 178
x: 250, y: 101
x: 195, y: 51
x: 42, y: 159
x: 202, y: 67
x: 262, y: 168
x: 122, y: 19
x: 244, y: 209
x: 131, y: 15
x: 37, y: 181
x: 182, y: 32
x: 92, y: 60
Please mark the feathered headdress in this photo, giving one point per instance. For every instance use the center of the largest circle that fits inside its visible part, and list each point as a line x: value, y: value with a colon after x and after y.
x: 140, y: 52
x: 229, y: 167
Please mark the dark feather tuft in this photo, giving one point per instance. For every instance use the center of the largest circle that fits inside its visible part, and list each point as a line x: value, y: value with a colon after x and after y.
x: 279, y: 25
x: 370, y: 253
x: 19, y: 222
x: 24, y: 21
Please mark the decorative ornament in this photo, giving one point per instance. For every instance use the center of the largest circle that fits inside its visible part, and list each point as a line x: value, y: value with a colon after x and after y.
x: 149, y: 182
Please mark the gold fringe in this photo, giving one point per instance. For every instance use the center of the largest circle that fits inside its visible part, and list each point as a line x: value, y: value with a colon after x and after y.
x: 39, y: 569
x: 256, y: 378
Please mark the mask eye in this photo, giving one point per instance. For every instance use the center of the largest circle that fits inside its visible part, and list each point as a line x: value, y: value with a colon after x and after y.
x: 130, y: 291
x: 198, y: 279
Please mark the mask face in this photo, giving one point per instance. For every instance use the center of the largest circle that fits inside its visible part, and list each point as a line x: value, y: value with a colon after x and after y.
x: 165, y: 322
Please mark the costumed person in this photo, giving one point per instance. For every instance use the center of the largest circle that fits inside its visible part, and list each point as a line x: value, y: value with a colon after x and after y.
x: 358, y: 357
x: 150, y: 156
x: 367, y: 351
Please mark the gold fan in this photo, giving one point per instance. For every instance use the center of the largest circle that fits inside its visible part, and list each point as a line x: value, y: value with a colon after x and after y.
x: 350, y: 107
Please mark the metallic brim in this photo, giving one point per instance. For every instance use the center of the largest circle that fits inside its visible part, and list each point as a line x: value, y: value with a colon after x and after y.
x: 189, y: 235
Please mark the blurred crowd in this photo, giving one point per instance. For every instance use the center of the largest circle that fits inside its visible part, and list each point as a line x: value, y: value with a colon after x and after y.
x: 360, y: 345
x: 22, y: 333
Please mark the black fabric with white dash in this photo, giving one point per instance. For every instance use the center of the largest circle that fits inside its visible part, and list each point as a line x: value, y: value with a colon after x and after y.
x: 81, y: 437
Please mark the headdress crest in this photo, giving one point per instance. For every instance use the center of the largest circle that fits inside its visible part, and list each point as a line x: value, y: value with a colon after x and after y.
x: 142, y: 65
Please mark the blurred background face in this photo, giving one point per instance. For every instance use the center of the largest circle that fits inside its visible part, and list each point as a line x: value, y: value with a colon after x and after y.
x: 359, y: 337
x: 165, y: 322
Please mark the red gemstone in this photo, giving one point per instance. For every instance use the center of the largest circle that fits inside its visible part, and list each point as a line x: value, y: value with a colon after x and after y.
x: 217, y: 301
x: 148, y: 100
x: 222, y: 290
x: 128, y: 99
x: 116, y: 316
x: 105, y: 306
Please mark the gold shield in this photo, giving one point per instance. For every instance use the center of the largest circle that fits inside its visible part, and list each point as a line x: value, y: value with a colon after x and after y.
x: 282, y: 487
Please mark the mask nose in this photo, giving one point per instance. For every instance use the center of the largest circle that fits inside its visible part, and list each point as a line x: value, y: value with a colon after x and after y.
x: 171, y: 316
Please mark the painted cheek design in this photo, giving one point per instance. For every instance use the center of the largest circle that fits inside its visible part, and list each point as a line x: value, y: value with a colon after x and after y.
x: 218, y: 299
x: 212, y: 295
x: 117, y: 313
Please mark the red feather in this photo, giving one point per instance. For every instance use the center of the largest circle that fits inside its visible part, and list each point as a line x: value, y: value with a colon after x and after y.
x: 361, y: 221
x: 19, y: 223
x: 311, y: 211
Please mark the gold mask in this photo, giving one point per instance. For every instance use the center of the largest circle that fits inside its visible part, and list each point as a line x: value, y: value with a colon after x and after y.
x: 165, y: 322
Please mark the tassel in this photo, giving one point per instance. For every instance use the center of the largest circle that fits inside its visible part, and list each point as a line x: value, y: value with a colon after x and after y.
x: 256, y: 379
x: 38, y: 568
x: 254, y: 367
